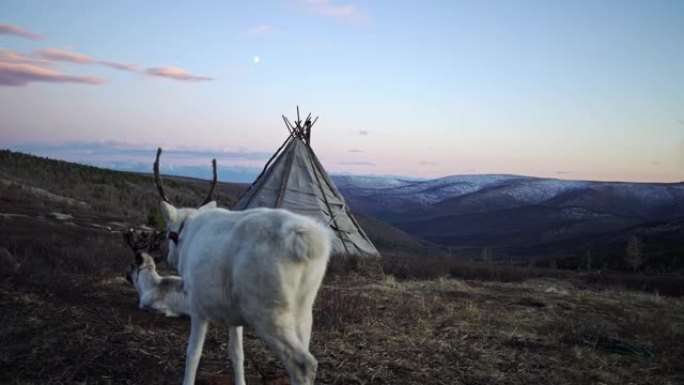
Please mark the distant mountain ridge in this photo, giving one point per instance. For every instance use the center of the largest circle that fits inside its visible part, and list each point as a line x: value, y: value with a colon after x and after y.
x: 379, y: 194
x: 520, y: 216
x: 509, y: 216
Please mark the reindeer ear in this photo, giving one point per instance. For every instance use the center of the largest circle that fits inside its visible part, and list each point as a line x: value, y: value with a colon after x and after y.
x: 210, y: 205
x: 168, y: 212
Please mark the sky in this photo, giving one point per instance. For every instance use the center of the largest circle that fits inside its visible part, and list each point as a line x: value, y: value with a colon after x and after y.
x: 590, y: 90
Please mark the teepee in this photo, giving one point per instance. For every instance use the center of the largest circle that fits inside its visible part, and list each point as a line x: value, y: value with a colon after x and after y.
x: 294, y: 179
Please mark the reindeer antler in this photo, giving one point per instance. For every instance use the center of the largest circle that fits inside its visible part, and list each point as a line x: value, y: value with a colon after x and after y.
x: 135, y: 240
x: 157, y: 177
x: 213, y: 184
x: 143, y: 240
x: 160, y: 186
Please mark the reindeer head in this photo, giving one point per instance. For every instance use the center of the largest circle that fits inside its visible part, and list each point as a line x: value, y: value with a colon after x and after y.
x: 142, y: 261
x: 176, y: 217
x: 139, y: 240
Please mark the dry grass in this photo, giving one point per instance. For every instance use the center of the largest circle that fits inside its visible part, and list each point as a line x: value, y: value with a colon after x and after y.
x: 407, y: 266
x: 367, y: 331
x: 68, y: 317
x: 453, y: 331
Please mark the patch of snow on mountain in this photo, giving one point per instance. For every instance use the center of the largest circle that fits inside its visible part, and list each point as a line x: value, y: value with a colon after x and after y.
x: 369, y: 182
x: 437, y: 190
x: 401, y: 192
x: 388, y: 192
x: 651, y: 192
x: 540, y: 190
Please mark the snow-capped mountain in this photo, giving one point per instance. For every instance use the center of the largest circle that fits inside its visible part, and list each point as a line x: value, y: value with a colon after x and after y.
x: 378, y: 194
x: 517, y: 215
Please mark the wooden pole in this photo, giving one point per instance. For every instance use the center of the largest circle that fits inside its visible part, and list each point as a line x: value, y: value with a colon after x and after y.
x: 287, y: 124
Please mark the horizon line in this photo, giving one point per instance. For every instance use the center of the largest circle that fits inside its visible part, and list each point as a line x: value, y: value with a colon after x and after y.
x: 135, y: 167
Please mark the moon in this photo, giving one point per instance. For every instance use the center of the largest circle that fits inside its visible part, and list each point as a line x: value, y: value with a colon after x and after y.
x: 256, y: 59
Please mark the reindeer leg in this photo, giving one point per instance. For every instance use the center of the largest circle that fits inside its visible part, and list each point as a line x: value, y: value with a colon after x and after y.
x: 283, y: 340
x: 237, y: 356
x: 304, y: 327
x: 198, y: 331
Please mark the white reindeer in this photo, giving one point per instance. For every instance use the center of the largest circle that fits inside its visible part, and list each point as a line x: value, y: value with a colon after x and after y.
x: 260, y: 267
x: 165, y: 295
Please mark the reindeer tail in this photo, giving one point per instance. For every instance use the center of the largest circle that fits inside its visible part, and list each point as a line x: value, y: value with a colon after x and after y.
x: 308, y: 240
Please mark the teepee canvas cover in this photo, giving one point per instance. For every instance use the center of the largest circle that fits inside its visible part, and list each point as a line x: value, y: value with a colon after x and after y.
x: 294, y: 179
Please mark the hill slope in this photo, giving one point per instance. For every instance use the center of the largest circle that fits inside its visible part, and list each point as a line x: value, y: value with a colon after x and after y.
x: 524, y: 217
x: 92, y: 196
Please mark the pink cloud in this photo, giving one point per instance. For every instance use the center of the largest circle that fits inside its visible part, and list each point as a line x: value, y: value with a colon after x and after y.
x: 56, y: 54
x: 8, y: 29
x: 63, y: 55
x: 120, y: 66
x: 19, y: 70
x: 12, y: 74
x: 176, y: 74
x: 7, y: 56
x: 341, y: 11
x: 260, y: 30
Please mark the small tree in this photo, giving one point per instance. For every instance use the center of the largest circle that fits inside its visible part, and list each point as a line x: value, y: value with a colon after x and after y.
x: 588, y: 259
x: 634, y: 255
x: 155, y: 219
x: 486, y: 254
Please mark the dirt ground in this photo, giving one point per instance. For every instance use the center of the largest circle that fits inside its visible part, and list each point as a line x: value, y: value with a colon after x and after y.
x: 67, y: 316
x: 366, y: 332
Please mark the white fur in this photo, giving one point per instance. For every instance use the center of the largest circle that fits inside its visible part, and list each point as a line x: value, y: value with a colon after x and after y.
x: 165, y: 295
x: 259, y: 267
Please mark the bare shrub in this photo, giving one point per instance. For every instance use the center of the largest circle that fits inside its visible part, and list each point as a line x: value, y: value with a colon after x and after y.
x: 336, y: 309
x: 413, y: 267
x: 666, y: 284
x: 343, y: 265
